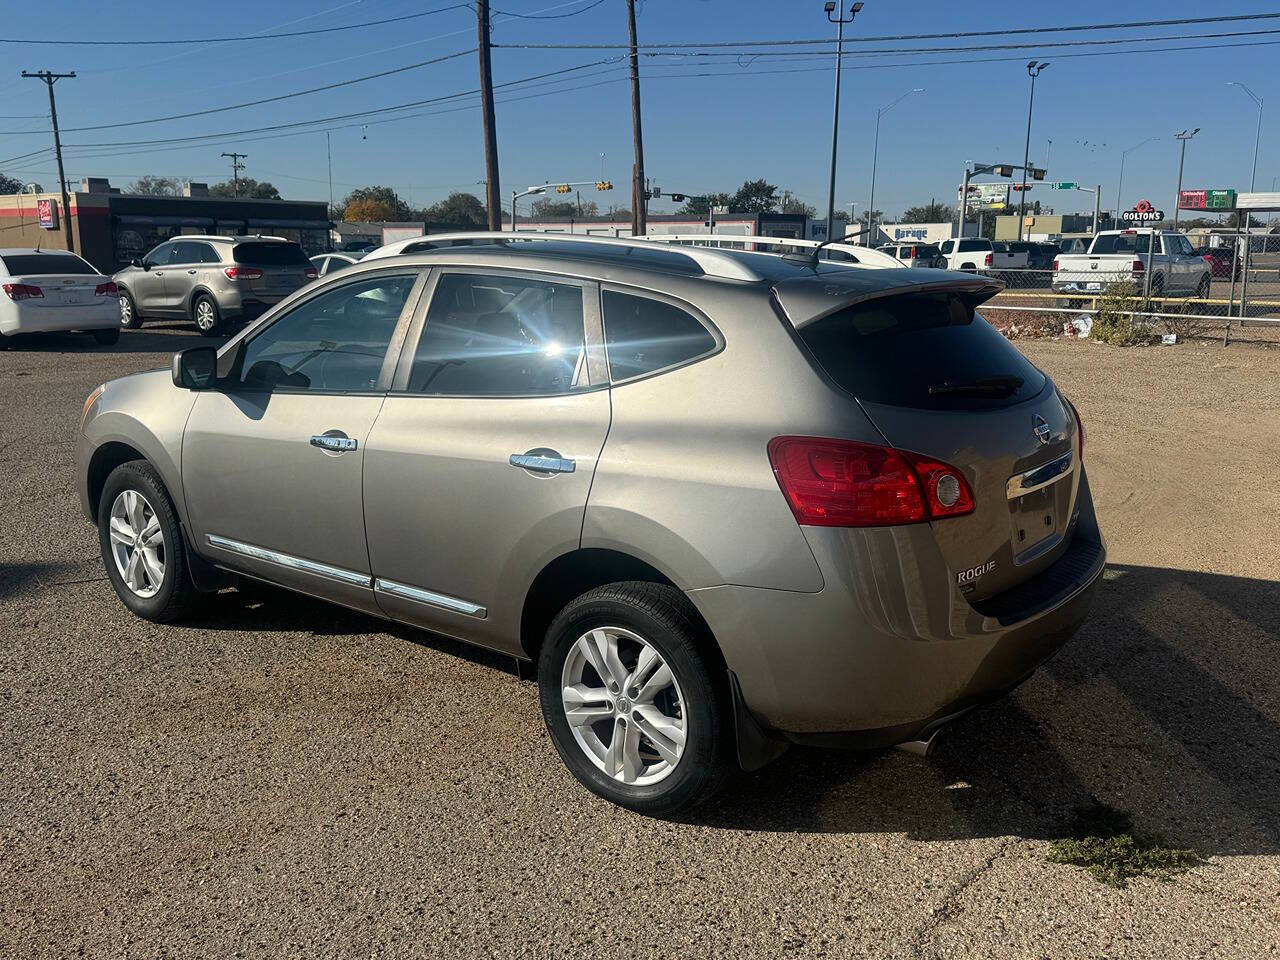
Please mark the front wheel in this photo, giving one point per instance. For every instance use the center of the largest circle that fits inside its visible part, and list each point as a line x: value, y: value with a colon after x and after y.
x: 635, y: 705
x: 142, y: 546
x: 208, y: 319
x: 107, y: 337
x: 130, y: 319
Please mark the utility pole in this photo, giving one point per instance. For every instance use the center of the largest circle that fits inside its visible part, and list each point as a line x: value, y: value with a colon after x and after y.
x: 1033, y: 71
x: 1184, y: 136
x: 236, y: 167
x: 493, y: 195
x: 639, y: 195
x: 830, y: 7
x: 328, y: 152
x: 49, y: 80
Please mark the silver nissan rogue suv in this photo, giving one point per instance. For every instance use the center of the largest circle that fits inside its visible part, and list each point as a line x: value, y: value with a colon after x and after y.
x: 723, y: 500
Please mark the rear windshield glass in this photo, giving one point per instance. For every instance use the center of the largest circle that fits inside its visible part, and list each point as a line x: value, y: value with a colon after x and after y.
x: 35, y: 264
x: 929, y: 351
x: 271, y: 254
x: 1121, y: 243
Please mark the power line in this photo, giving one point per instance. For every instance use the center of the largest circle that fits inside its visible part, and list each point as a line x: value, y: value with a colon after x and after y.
x: 283, y: 96
x: 553, y: 16
x: 240, y: 39
x: 1015, y: 31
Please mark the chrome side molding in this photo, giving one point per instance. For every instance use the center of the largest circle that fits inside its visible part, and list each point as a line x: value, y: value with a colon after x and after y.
x: 429, y: 597
x: 340, y: 574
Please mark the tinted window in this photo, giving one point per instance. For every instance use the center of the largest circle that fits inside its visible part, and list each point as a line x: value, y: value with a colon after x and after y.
x: 924, y: 251
x: 333, y: 342
x: 495, y: 336
x: 969, y: 246
x: 893, y: 349
x: 28, y: 264
x: 271, y: 254
x: 1122, y: 243
x: 160, y: 255
x: 209, y: 253
x: 946, y: 246
x: 185, y: 252
x: 642, y: 335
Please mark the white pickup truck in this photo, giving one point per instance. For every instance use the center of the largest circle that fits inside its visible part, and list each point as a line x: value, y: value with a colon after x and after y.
x: 976, y: 255
x: 1117, y: 256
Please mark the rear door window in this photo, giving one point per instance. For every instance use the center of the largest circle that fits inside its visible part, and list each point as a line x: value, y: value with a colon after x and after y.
x: 36, y: 264
x: 642, y: 335
x: 1122, y: 243
x: 930, y: 351
x: 271, y: 255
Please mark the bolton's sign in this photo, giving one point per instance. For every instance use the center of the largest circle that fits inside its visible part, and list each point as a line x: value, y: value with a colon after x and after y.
x: 1142, y: 212
x: 47, y: 212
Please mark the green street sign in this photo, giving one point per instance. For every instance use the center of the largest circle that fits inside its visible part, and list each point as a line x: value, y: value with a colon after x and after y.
x: 1065, y: 185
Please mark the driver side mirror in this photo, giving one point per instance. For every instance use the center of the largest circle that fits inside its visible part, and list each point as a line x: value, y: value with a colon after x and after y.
x: 195, y: 368
x: 140, y: 263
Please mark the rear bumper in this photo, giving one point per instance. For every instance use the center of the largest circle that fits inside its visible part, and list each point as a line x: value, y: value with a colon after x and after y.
x: 89, y: 316
x: 888, y: 650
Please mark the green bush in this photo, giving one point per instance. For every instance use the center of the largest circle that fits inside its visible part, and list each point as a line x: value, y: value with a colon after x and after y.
x: 1112, y: 324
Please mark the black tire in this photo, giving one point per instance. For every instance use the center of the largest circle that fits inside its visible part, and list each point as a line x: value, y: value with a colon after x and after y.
x: 666, y: 620
x: 130, y: 318
x: 177, y: 595
x: 107, y: 337
x: 207, y: 316
x: 968, y: 268
x: 1202, y: 291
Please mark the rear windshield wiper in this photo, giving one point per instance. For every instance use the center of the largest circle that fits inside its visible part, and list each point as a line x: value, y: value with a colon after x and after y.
x: 1000, y: 385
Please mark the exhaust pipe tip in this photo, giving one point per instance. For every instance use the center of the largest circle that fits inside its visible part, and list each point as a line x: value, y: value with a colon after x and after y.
x: 919, y: 748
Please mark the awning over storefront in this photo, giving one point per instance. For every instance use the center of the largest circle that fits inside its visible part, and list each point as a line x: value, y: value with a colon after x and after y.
x: 143, y: 221
x: 295, y: 224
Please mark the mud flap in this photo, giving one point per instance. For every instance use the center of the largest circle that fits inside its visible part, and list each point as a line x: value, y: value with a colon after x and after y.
x: 756, y: 748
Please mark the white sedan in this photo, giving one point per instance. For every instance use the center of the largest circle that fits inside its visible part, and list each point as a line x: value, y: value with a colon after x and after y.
x: 53, y: 290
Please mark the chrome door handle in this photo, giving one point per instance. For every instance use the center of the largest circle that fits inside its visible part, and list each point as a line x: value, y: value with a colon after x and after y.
x: 542, y: 464
x: 192, y: 272
x: 334, y: 444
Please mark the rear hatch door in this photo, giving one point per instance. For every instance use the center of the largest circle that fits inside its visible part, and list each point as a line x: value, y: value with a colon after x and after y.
x: 936, y: 379
x: 282, y: 265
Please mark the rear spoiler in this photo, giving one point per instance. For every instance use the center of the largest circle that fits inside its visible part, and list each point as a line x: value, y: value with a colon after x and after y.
x: 810, y: 298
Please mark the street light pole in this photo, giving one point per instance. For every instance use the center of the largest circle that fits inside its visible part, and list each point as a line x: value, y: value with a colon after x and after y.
x: 1120, y: 182
x: 875, y: 153
x: 1257, y: 138
x: 840, y: 21
x: 516, y: 196
x: 1033, y: 71
x: 1184, y: 137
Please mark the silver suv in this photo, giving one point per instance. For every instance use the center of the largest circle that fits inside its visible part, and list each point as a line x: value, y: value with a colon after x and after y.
x: 723, y: 500
x: 211, y: 280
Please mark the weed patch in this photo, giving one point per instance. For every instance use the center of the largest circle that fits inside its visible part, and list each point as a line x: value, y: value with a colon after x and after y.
x: 1104, y: 842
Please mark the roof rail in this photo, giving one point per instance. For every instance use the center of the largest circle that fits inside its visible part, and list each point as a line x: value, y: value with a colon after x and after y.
x: 715, y: 263
x: 864, y: 256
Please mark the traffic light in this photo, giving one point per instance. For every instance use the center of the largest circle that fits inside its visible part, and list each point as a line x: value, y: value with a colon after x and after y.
x: 604, y: 185
x: 564, y: 188
x: 1037, y: 173
x: 1004, y: 170
x: 676, y: 197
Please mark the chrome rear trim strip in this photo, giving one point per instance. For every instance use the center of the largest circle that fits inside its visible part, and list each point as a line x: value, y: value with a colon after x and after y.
x: 432, y: 599
x: 1039, y: 477
x: 293, y: 563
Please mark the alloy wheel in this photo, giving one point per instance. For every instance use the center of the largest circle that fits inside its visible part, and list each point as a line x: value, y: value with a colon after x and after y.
x: 126, y: 311
x: 137, y: 543
x: 205, y: 318
x: 624, y: 706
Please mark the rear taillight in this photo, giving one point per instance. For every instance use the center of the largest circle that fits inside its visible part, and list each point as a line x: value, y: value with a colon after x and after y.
x: 243, y: 273
x: 108, y: 289
x: 1138, y: 266
x: 987, y: 261
x: 1079, y: 427
x: 311, y: 273
x: 842, y: 483
x: 23, y: 291
x: 1055, y: 264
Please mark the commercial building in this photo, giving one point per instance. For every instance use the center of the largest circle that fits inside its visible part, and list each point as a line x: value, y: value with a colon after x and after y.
x: 111, y: 228
x: 1045, y: 226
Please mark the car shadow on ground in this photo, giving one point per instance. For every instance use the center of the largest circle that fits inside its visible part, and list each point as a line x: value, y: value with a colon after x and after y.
x: 151, y: 338
x: 1167, y: 704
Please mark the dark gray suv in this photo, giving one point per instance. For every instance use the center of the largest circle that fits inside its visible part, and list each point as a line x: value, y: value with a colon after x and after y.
x: 211, y: 280
x: 723, y: 500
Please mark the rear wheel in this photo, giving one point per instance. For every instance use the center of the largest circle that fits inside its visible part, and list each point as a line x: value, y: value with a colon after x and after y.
x: 107, y: 337
x: 1202, y: 291
x: 208, y: 318
x: 141, y: 544
x: 968, y: 268
x: 637, y: 710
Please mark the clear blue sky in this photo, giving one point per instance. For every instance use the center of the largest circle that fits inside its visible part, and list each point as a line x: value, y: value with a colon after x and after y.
x: 702, y: 133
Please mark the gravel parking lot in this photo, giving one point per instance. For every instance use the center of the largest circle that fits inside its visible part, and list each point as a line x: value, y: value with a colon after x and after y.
x: 285, y: 777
